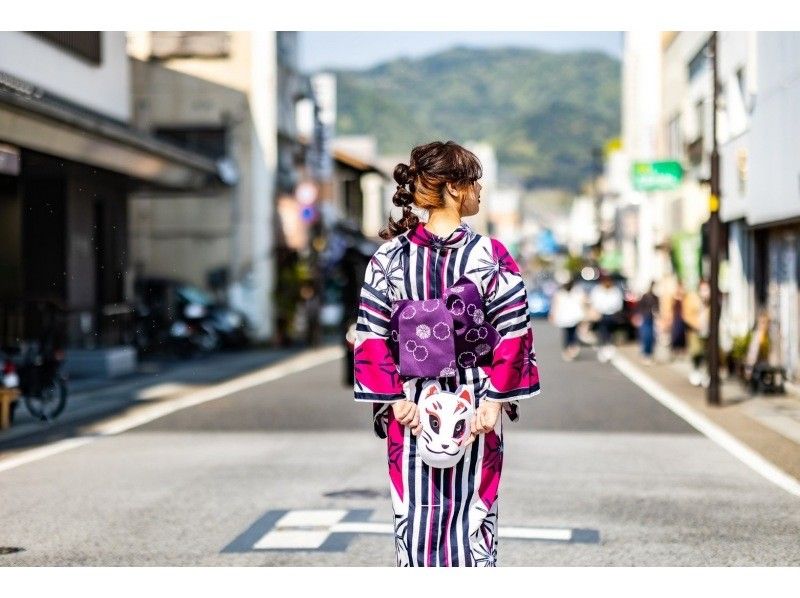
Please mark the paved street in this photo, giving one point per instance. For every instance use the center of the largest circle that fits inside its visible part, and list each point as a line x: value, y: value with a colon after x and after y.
x: 202, y: 485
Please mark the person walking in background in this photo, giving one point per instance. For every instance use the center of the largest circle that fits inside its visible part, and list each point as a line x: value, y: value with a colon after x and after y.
x: 696, y: 313
x: 606, y: 298
x: 567, y: 313
x: 648, y: 310
x: 677, y: 332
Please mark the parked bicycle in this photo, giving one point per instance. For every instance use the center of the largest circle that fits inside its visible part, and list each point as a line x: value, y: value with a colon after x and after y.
x: 32, y: 357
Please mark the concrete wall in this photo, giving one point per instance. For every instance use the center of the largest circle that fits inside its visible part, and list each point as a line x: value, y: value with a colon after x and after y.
x: 775, y: 130
x: 180, y: 237
x: 736, y: 51
x: 186, y: 235
x: 104, y: 88
x: 240, y: 91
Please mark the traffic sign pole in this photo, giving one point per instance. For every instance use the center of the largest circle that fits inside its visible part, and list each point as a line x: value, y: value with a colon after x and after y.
x: 713, y: 394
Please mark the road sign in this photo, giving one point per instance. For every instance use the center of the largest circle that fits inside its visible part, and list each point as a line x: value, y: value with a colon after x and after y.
x: 657, y: 176
x: 306, y: 193
x: 308, y: 214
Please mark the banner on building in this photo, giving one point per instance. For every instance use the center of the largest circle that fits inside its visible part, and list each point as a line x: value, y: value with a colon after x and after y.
x: 686, y: 258
x: 657, y: 176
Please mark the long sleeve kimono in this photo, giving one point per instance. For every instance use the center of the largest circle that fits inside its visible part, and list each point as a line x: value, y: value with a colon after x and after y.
x: 444, y: 517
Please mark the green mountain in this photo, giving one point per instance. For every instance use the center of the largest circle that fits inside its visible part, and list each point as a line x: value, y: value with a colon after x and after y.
x: 543, y: 112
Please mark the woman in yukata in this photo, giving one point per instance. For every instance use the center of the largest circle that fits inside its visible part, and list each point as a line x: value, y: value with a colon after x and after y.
x: 444, y: 345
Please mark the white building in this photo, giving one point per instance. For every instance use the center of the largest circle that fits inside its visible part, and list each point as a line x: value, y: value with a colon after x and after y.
x: 641, y: 109
x: 758, y: 128
x: 760, y: 173
x: 222, y: 91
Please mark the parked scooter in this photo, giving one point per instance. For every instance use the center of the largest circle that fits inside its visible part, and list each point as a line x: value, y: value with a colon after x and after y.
x: 193, y: 333
x: 9, y: 379
x: 180, y: 318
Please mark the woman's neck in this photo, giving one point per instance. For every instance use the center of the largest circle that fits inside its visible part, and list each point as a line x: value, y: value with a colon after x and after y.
x: 443, y: 222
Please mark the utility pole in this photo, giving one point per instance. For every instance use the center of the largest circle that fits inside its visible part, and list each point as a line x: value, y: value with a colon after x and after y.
x: 713, y: 396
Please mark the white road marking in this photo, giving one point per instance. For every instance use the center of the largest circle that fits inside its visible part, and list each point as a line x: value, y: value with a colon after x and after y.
x: 42, y: 452
x: 301, y: 529
x: 309, y: 518
x: 161, y: 391
x: 287, y: 538
x: 146, y: 414
x: 704, y: 425
x: 519, y: 533
x: 308, y: 529
x: 363, y: 527
x: 535, y: 533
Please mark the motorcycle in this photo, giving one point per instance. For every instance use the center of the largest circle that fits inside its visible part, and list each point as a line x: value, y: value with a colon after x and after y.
x: 184, y: 319
x: 194, y: 333
x: 9, y: 379
x: 37, y: 371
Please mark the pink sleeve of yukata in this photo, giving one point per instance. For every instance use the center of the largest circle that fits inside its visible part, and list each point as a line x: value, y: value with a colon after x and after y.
x: 376, y: 375
x: 514, y: 374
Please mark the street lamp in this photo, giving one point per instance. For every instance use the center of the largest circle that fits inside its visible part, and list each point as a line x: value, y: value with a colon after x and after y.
x: 713, y: 393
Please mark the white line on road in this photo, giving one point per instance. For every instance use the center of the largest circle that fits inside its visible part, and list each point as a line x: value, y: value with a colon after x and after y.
x: 535, y: 533
x: 519, y: 533
x: 704, y: 425
x: 43, y: 451
x: 148, y: 413
x: 363, y: 527
x: 310, y: 528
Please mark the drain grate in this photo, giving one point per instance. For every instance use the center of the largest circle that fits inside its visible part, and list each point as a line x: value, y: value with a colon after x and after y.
x: 358, y: 493
x: 10, y: 549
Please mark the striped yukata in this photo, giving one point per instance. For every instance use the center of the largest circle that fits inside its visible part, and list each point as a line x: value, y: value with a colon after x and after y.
x: 447, y: 516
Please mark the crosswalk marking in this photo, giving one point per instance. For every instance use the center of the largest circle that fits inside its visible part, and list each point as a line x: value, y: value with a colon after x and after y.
x: 301, y: 529
x: 288, y: 538
x: 332, y: 529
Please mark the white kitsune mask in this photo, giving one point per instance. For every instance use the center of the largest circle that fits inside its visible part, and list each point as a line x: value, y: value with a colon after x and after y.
x: 445, y: 418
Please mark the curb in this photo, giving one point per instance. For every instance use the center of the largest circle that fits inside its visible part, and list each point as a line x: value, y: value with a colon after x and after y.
x: 116, y: 425
x: 711, y: 430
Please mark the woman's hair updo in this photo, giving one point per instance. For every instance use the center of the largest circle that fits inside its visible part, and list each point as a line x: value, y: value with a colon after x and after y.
x: 431, y: 166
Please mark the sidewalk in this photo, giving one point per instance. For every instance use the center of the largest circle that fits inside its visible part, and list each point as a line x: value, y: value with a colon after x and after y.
x: 768, y: 424
x: 155, y: 380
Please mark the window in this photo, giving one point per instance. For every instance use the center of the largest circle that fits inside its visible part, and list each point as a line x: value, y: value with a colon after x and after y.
x: 190, y: 44
x: 85, y: 44
x: 740, y: 78
x: 674, y: 140
x: 699, y: 63
x: 287, y: 48
x: 209, y: 141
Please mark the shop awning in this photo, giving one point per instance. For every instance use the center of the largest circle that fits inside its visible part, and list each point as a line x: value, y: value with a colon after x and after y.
x: 36, y: 121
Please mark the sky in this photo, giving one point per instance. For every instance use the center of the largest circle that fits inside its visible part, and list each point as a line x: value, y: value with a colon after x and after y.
x: 361, y: 49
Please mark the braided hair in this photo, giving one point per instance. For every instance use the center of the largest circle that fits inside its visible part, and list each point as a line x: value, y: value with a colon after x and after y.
x: 421, y: 182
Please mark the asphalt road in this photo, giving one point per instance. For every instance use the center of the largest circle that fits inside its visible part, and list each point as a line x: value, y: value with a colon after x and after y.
x: 201, y: 486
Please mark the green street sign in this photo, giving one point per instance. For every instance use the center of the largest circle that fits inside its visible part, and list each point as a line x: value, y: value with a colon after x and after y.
x: 657, y: 176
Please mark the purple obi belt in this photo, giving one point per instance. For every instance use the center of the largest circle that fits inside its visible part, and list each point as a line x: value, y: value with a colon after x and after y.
x: 432, y: 337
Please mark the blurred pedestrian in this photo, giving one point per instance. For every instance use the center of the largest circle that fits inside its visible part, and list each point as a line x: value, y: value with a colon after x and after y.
x: 648, y: 310
x: 696, y: 311
x: 606, y: 298
x: 567, y: 313
x: 678, y: 325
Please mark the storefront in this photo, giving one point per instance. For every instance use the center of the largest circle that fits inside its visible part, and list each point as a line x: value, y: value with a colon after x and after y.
x: 65, y: 176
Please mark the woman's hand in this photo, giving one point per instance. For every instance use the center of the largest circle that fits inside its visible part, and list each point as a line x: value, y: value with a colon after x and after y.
x: 485, y: 418
x: 406, y: 413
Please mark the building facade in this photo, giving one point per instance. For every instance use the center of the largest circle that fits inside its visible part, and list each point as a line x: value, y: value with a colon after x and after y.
x: 230, y: 95
x: 70, y: 156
